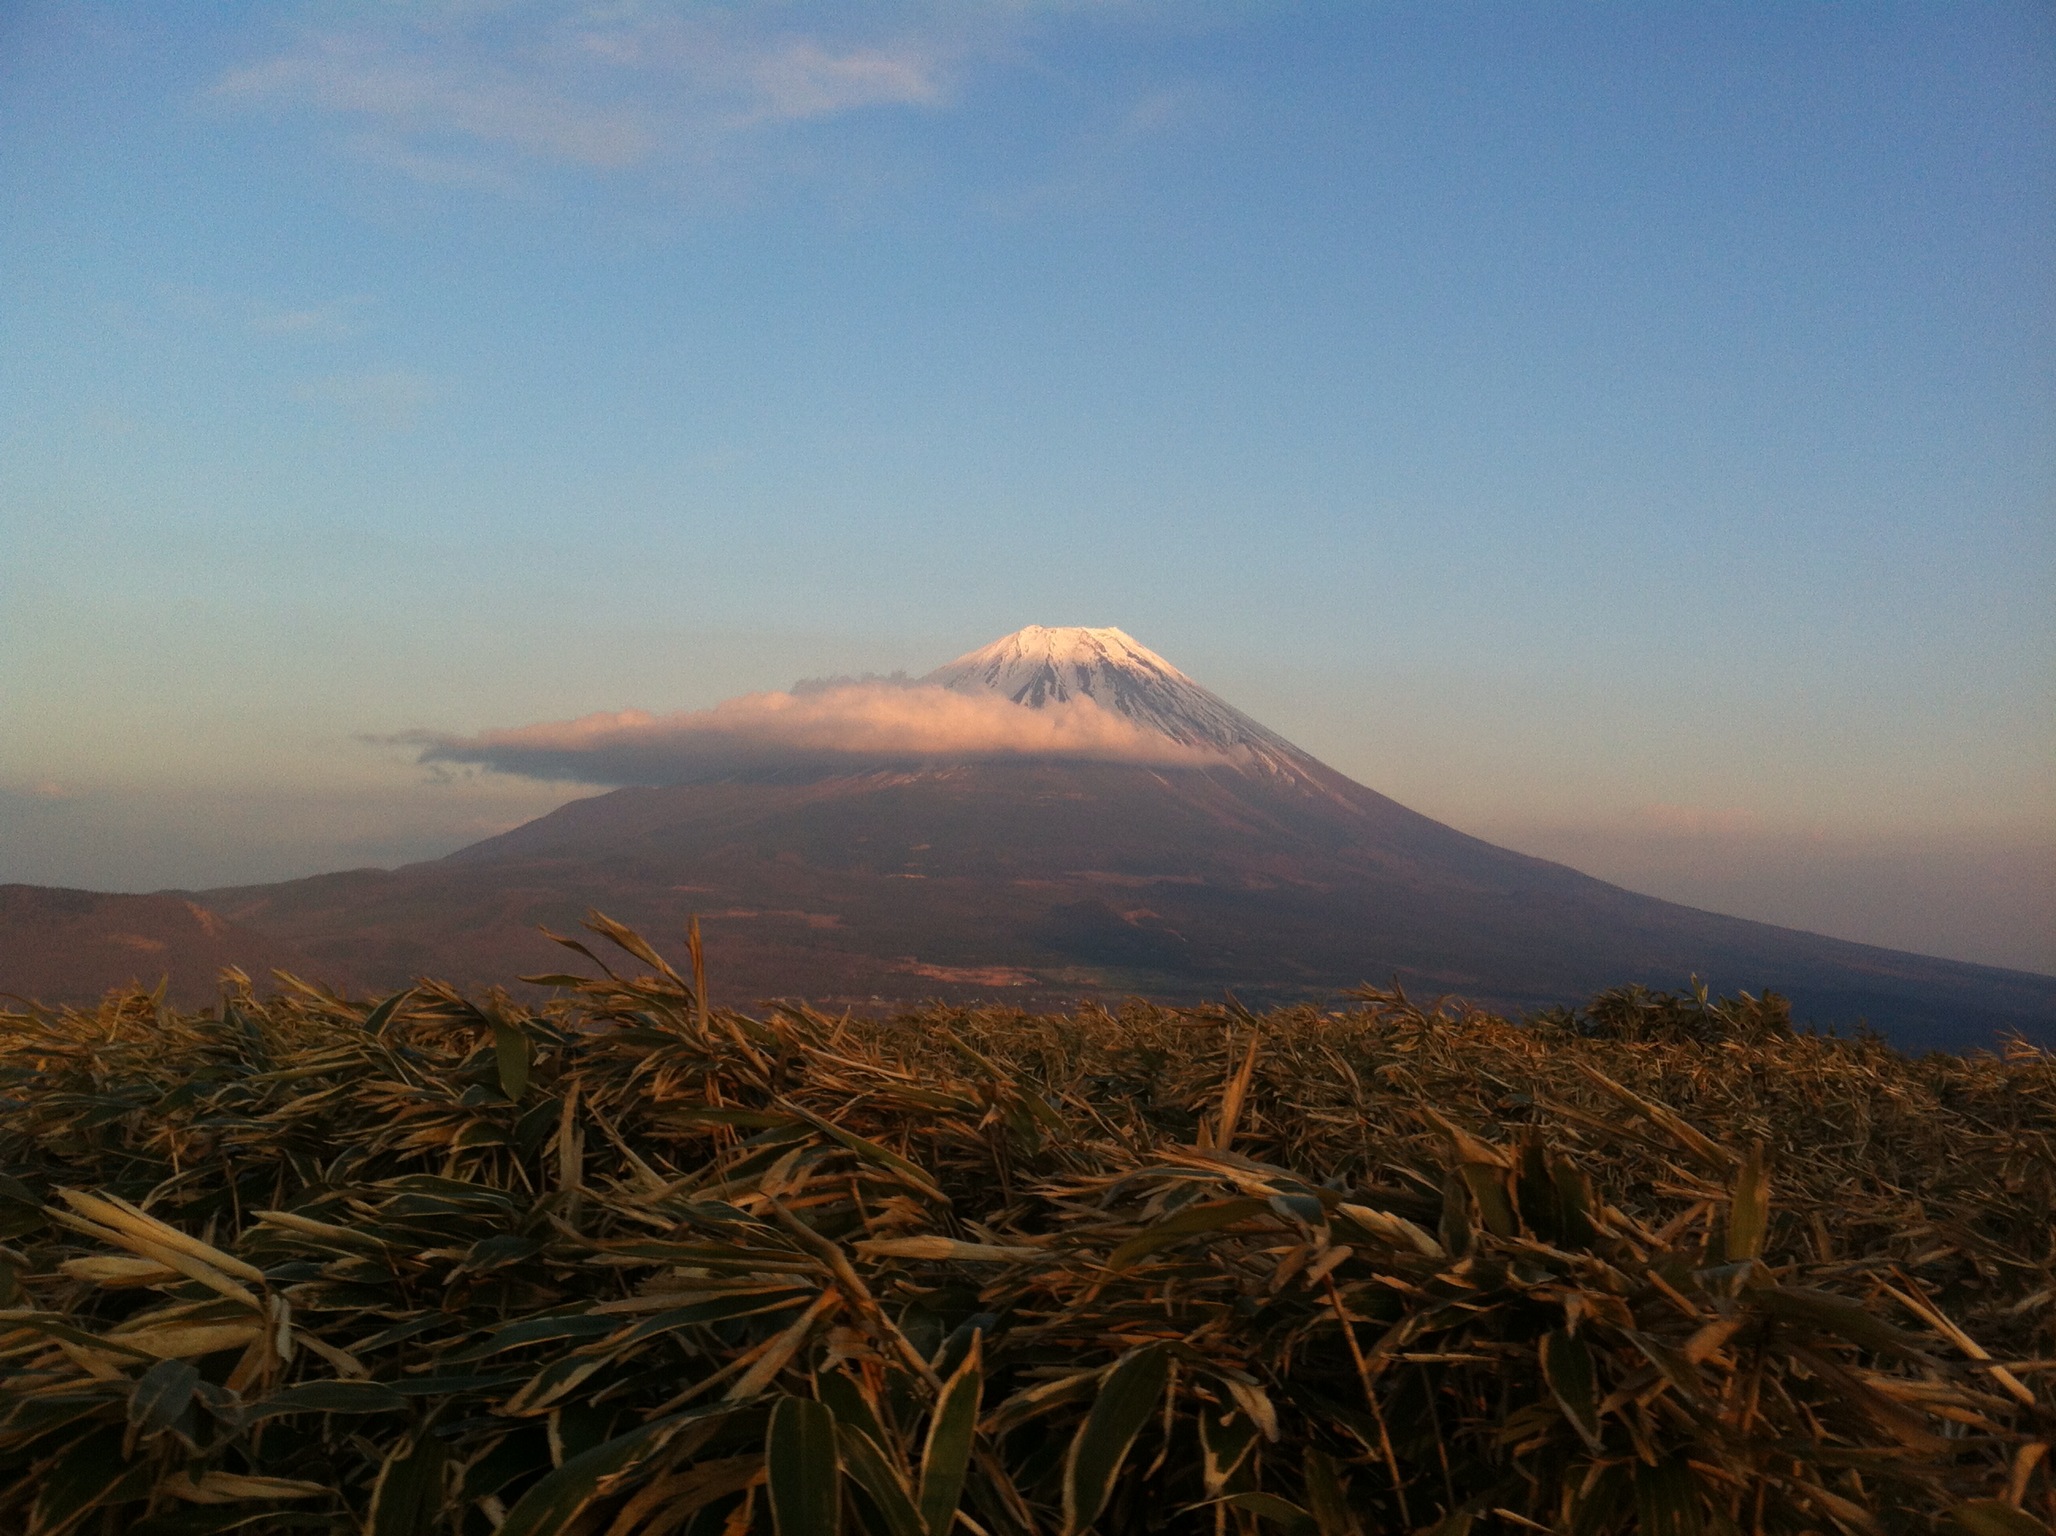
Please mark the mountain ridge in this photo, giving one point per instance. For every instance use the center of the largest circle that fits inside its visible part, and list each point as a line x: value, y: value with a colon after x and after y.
x: 1043, y: 879
x: 1092, y: 880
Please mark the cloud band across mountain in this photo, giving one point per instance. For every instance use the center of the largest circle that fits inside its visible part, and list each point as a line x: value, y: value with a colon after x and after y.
x: 852, y: 725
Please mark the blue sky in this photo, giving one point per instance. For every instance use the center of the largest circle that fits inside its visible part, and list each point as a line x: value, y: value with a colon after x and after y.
x: 1625, y: 432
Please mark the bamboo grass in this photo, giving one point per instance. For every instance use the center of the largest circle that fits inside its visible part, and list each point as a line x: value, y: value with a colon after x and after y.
x: 629, y: 1264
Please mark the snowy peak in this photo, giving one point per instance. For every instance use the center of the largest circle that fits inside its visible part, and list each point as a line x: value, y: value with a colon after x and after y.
x: 1039, y: 666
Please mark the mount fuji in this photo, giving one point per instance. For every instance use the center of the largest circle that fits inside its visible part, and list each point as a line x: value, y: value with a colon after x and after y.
x: 1038, y: 667
x: 1220, y: 857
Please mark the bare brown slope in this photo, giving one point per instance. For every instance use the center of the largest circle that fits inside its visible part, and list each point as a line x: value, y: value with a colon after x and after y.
x: 1042, y: 882
x: 63, y: 946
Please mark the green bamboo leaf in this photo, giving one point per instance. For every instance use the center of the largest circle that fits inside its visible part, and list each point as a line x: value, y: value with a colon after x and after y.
x: 957, y: 1346
x: 440, y: 1385
x: 1044, y: 1397
x: 1210, y: 1217
x: 1995, y: 1517
x: 216, y: 1519
x: 748, y: 1304
x: 31, y: 1417
x: 555, y: 1379
x: 91, y: 1473
x: 160, y: 1395
x: 550, y: 1505
x: 868, y: 1467
x: 947, y: 1455
x: 1667, y: 1499
x: 849, y: 1400
x: 745, y: 1119
x: 687, y: 1492
x: 14, y: 1192
x: 407, y: 1498
x: 1554, y: 1199
x: 538, y: 1330
x: 376, y: 1020
x: 1327, y: 1496
x: 1574, y: 1200
x: 1277, y: 1511
x: 509, y: 1457
x: 803, y: 1472
x: 1603, y: 1502
x: 872, y: 1152
x: 1749, y: 1211
x: 1837, y: 1315
x: 1535, y: 1192
x: 1567, y: 1366
x: 329, y: 1397
x: 1127, y: 1398
x: 1487, y: 1184
x: 500, y: 1250
x: 1673, y: 1365
x: 515, y: 1051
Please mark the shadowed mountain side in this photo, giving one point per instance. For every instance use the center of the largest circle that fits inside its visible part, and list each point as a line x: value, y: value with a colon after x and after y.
x: 1039, y: 882
x: 62, y: 946
x: 931, y: 863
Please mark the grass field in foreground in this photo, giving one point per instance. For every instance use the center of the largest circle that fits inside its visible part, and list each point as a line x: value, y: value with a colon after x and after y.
x: 631, y: 1264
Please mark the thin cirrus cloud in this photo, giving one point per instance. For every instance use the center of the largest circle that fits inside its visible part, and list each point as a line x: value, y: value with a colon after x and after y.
x: 308, y: 322
x: 391, y: 399
x: 470, y: 95
x: 365, y: 80
x: 801, y: 79
x: 334, y: 319
x: 841, y: 725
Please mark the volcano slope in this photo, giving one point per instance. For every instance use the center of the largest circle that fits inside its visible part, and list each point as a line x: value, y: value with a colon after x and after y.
x: 1049, y: 881
x: 73, y: 946
x: 1215, y: 856
x: 1044, y: 881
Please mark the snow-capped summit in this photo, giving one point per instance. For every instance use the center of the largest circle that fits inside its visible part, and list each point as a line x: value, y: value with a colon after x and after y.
x: 1039, y: 666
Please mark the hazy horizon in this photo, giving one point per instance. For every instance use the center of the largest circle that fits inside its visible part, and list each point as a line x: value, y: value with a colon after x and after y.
x: 1629, y: 437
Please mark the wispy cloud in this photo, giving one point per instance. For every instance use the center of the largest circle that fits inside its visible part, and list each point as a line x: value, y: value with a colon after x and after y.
x: 468, y: 94
x: 307, y: 322
x: 330, y: 319
x: 365, y: 78
x: 802, y: 79
x: 843, y: 724
x: 462, y: 168
x: 390, y: 398
x: 1100, y: 159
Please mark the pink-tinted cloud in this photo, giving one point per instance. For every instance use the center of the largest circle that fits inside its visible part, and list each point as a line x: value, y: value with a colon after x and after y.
x: 801, y: 80
x: 420, y: 92
x: 842, y: 725
x: 468, y: 94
